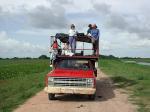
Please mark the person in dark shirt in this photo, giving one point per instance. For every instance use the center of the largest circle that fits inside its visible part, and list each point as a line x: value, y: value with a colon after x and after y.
x: 95, y: 38
x: 89, y: 30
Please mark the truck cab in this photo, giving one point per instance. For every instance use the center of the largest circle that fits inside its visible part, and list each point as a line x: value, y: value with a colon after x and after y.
x: 72, y: 75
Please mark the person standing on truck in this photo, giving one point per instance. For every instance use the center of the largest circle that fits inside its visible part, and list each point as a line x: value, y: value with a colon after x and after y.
x: 95, y: 38
x: 72, y: 38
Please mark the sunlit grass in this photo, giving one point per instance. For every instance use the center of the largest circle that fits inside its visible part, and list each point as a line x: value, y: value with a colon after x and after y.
x: 133, y: 77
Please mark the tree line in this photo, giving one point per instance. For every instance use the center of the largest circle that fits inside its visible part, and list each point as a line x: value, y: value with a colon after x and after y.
x: 100, y: 56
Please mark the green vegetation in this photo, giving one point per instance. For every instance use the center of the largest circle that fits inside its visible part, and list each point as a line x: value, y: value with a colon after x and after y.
x: 22, y: 78
x: 19, y: 80
x: 133, y: 77
x: 43, y: 57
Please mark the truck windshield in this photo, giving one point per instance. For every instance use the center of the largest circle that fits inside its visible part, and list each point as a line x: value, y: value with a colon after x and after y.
x: 74, y: 64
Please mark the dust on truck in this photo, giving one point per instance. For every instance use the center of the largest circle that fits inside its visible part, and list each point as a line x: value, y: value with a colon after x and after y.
x: 74, y: 74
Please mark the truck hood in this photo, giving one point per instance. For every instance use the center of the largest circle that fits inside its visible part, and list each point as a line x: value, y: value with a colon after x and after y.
x: 71, y: 73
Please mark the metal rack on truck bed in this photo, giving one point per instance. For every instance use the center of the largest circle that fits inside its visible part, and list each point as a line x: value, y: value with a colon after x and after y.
x: 63, y: 38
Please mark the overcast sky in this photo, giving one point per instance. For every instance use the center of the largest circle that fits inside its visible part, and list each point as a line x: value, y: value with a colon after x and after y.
x: 25, y: 25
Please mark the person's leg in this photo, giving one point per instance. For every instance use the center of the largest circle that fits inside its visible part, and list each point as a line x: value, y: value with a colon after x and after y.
x: 97, y: 47
x: 51, y: 57
x: 70, y: 42
x: 93, y: 43
x: 74, y: 45
x: 94, y: 47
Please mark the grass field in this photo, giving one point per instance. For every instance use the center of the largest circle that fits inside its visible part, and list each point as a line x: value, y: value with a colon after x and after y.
x: 133, y: 77
x: 19, y: 80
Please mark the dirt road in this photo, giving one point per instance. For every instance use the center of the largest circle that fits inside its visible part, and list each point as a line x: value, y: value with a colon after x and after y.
x: 108, y: 99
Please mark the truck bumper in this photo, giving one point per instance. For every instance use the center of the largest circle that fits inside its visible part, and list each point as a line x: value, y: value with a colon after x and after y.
x: 70, y: 90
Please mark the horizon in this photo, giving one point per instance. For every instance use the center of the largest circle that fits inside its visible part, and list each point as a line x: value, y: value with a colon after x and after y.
x: 49, y: 57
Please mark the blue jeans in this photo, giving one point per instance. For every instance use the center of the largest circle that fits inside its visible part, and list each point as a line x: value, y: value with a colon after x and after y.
x: 72, y: 43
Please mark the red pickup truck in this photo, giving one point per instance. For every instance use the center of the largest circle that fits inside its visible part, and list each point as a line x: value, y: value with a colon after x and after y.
x: 74, y: 74
x: 71, y: 76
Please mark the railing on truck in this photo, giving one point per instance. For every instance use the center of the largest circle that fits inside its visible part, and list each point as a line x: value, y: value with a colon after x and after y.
x: 81, y: 52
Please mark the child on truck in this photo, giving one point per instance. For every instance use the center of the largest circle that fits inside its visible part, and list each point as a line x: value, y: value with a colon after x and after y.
x: 53, y: 51
x: 65, y: 50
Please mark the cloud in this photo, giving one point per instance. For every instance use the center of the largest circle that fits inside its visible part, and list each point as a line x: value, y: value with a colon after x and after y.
x: 52, y: 17
x: 61, y: 2
x: 10, y: 21
x: 131, y: 24
x: 117, y: 21
x: 0, y: 10
x: 102, y: 8
x: 139, y: 43
x: 135, y: 24
x: 105, y: 45
x: 12, y: 47
x: 49, y: 15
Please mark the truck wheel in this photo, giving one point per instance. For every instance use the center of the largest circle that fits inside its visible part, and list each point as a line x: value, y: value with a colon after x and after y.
x: 51, y: 96
x: 91, y: 97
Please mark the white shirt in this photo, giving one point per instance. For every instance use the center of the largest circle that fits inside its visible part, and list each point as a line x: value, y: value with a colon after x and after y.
x: 72, y: 32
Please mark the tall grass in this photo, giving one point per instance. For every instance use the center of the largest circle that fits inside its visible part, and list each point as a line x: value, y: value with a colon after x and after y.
x: 135, y: 78
x: 19, y: 80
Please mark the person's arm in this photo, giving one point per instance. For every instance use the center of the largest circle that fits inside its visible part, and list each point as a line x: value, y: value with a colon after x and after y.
x: 98, y: 33
x: 88, y: 31
x: 52, y: 44
x: 50, y: 49
x: 76, y: 33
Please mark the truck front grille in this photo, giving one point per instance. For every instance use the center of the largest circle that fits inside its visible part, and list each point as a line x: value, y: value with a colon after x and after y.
x: 70, y: 82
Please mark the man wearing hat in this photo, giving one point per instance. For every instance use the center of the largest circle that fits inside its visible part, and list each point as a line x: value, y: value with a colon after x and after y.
x: 95, y: 38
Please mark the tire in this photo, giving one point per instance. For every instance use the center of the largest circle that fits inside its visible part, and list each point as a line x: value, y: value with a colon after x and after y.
x: 92, y: 97
x: 51, y: 96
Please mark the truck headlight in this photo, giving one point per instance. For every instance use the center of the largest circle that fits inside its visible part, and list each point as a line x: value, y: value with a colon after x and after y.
x: 89, y: 80
x: 50, y: 79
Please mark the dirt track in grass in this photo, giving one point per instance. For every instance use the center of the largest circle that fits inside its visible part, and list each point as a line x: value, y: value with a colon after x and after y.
x: 108, y: 99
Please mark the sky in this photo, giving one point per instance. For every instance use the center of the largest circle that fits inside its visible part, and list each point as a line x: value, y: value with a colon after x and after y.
x: 26, y: 25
